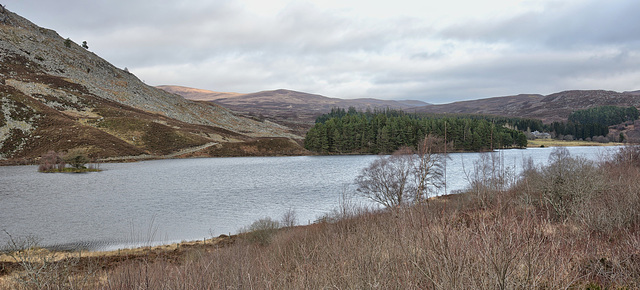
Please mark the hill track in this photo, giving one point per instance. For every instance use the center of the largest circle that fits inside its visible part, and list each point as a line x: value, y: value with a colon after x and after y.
x: 168, y: 156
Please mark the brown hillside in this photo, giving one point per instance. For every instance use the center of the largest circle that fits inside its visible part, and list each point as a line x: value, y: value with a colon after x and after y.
x: 59, y: 96
x: 550, y: 108
x: 294, y: 109
x: 197, y: 94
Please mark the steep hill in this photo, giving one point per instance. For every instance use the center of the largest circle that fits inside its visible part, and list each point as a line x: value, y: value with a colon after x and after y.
x: 57, y: 95
x: 550, y: 108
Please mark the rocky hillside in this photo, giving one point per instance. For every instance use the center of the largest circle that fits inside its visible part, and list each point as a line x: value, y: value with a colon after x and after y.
x: 57, y: 95
x: 550, y: 108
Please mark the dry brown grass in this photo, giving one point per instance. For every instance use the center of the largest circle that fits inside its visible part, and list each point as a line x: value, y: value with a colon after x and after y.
x: 564, y: 143
x: 259, y: 147
x: 510, y: 241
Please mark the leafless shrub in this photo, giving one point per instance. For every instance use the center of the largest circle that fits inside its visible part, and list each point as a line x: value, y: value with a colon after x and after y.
x: 51, y: 161
x: 435, y: 246
x: 565, y: 185
x: 603, y: 198
x: 387, y: 180
x: 39, y: 268
x: 626, y: 156
x: 405, y: 177
x: 261, y: 231
x: 428, y: 169
x: 488, y: 178
x: 617, y: 206
x: 289, y: 218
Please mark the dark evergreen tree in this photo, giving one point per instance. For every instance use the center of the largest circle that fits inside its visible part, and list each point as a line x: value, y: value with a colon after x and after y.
x: 384, y: 131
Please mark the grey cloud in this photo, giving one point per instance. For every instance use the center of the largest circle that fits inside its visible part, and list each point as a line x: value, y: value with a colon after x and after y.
x: 511, y: 74
x: 219, y: 45
x: 560, y: 26
x: 299, y: 31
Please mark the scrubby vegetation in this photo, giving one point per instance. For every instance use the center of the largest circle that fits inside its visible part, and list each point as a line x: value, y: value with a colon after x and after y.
x: 570, y: 224
x: 77, y: 159
x: 164, y: 139
x: 258, y: 147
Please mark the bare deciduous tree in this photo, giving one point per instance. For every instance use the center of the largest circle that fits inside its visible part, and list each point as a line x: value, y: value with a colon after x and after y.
x: 51, y: 161
x: 387, y: 179
x: 488, y: 176
x: 289, y: 218
x: 406, y: 176
x: 429, y: 167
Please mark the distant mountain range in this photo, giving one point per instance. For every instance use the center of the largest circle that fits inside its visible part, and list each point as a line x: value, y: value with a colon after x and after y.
x: 292, y: 105
x: 288, y: 103
x: 550, y: 108
x: 296, y: 110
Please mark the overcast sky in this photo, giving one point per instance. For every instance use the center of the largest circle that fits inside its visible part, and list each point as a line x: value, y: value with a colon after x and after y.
x: 435, y: 51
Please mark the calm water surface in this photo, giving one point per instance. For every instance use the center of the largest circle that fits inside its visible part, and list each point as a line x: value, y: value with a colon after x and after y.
x: 163, y: 201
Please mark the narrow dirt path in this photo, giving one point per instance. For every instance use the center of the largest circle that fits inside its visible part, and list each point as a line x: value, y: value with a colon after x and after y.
x: 189, y: 150
x: 168, y: 156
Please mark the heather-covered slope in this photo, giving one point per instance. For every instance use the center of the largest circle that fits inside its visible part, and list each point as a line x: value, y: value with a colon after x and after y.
x: 286, y: 103
x: 297, y: 110
x: 57, y: 95
x: 550, y: 108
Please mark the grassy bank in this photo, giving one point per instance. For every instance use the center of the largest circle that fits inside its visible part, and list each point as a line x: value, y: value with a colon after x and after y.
x: 571, y: 225
x: 563, y: 143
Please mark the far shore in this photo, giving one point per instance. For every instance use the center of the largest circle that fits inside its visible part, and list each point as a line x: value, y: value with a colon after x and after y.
x: 537, y: 143
x: 562, y: 143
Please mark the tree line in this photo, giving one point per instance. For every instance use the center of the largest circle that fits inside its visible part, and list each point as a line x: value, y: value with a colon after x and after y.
x: 385, y: 131
x: 593, y: 122
x: 577, y: 130
x: 605, y: 115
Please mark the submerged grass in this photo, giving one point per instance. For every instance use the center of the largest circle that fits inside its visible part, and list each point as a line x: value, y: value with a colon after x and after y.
x: 521, y: 237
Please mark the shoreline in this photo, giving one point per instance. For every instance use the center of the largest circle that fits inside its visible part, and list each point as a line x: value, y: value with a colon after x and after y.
x: 11, y: 263
x: 538, y: 143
